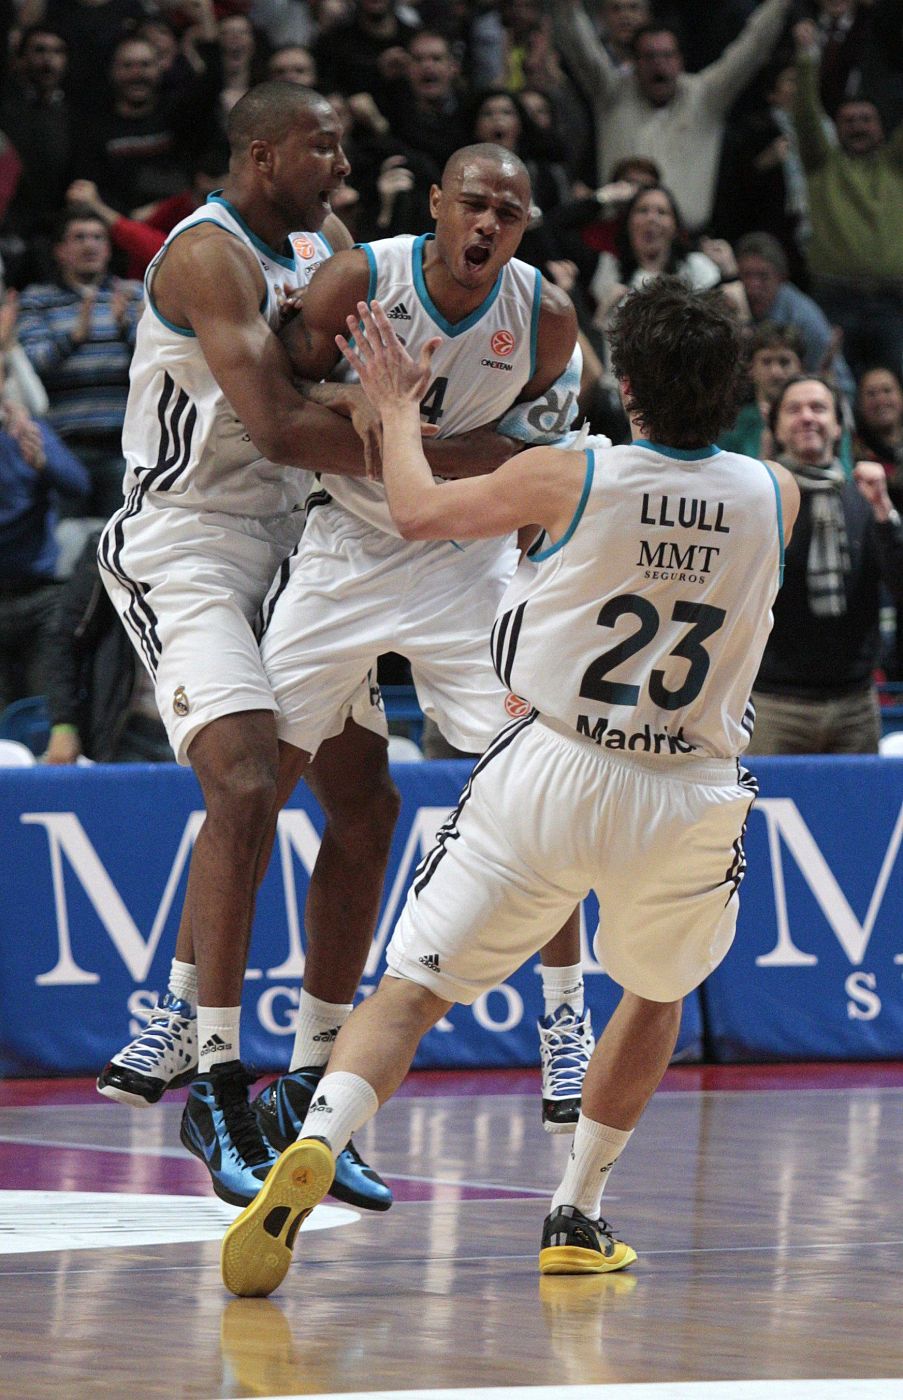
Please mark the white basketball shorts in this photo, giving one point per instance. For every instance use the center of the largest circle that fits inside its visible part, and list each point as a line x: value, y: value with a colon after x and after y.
x: 189, y: 588
x: 355, y: 592
x: 545, y: 818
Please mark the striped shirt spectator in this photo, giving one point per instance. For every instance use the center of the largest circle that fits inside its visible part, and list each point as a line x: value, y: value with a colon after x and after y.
x: 79, y: 334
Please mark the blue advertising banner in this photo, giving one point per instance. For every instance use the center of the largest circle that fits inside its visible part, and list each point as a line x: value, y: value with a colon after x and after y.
x: 815, y: 970
x: 92, y: 878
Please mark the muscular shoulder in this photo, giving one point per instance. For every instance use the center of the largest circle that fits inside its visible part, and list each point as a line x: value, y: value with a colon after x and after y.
x: 336, y: 287
x: 336, y: 234
x: 207, y: 269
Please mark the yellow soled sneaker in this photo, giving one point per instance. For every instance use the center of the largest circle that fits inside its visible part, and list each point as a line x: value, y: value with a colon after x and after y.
x: 257, y: 1247
x: 571, y: 1244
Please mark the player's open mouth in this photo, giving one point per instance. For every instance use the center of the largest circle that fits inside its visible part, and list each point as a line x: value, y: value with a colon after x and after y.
x: 477, y: 255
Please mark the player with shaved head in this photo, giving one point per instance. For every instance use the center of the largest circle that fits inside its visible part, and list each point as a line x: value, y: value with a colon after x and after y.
x: 215, y: 434
x: 354, y: 589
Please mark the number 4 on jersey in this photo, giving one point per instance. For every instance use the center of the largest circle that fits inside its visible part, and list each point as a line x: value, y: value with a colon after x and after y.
x: 432, y: 401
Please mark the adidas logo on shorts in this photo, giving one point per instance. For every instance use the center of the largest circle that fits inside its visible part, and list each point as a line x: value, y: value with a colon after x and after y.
x: 399, y: 312
x: 430, y: 960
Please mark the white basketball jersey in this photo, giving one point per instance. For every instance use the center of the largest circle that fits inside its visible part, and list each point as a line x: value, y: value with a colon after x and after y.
x: 478, y: 370
x: 182, y: 442
x: 643, y: 627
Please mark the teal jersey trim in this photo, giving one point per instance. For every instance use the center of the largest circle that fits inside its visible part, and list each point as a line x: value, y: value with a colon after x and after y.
x: 575, y: 519
x: 371, y: 263
x: 280, y: 258
x: 171, y: 325
x: 429, y: 306
x: 679, y: 454
x: 326, y: 244
x: 780, y: 506
x: 534, y: 321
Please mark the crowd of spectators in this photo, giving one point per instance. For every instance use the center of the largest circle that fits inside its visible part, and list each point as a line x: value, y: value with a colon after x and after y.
x: 753, y: 146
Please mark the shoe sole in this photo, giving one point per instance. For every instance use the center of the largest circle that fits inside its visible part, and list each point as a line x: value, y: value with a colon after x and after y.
x: 559, y: 1128
x: 349, y: 1195
x: 134, y: 1100
x: 257, y: 1247
x: 571, y: 1259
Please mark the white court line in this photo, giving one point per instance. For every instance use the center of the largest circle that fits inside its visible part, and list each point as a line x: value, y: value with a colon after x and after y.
x: 844, y: 1389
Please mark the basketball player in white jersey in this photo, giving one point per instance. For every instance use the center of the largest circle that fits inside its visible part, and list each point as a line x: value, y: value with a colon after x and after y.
x: 635, y: 631
x: 356, y: 589
x: 208, y: 519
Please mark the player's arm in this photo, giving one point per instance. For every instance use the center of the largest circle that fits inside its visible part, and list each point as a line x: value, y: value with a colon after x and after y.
x: 209, y: 283
x: 542, y: 484
x: 790, y: 497
x: 555, y: 340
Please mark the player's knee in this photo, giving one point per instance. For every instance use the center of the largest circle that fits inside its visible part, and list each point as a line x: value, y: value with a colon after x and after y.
x: 368, y: 822
x: 243, y: 793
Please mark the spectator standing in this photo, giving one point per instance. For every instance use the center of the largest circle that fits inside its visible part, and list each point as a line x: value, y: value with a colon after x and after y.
x: 423, y: 107
x: 658, y: 110
x: 79, y: 333
x: 764, y: 270
x: 138, y: 148
x: 651, y: 239
x: 762, y: 184
x: 364, y: 53
x: 879, y: 426
x: 101, y: 700
x: 90, y: 28
x: 621, y: 21
x: 879, y: 438
x: 34, y: 466
x: 293, y: 63
x: 814, y: 692
x: 243, y: 59
x: 856, y: 205
x: 35, y: 115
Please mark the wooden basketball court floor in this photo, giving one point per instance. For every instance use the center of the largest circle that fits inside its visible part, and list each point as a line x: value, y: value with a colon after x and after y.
x: 765, y: 1206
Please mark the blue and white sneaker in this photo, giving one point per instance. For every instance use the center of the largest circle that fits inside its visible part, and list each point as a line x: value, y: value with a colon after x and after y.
x: 566, y: 1044
x: 281, y: 1109
x: 219, y: 1127
x: 164, y: 1056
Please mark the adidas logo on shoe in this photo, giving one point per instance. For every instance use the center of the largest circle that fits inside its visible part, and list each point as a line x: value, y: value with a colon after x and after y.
x: 320, y: 1105
x: 399, y: 312
x: 430, y: 960
x: 214, y: 1045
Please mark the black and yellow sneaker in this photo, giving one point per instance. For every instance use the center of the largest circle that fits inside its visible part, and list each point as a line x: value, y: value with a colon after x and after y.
x: 571, y: 1244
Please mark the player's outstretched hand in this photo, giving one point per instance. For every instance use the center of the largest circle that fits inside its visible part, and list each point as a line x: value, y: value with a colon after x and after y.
x: 387, y: 373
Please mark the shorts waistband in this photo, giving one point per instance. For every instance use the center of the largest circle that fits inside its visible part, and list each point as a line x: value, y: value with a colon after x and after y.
x: 715, y: 771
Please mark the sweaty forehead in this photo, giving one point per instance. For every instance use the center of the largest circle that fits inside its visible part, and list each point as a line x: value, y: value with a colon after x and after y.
x: 503, y: 184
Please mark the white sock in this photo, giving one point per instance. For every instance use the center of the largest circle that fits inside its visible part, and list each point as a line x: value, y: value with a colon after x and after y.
x: 218, y: 1035
x: 562, y: 984
x: 594, y: 1152
x: 319, y: 1022
x: 341, y: 1104
x: 183, y: 982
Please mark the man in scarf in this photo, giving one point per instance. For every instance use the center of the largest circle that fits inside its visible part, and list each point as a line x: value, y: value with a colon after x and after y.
x: 814, y: 692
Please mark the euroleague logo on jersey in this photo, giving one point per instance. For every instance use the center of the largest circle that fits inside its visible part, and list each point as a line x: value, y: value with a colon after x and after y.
x: 516, y: 706
x: 502, y: 344
x: 303, y: 246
